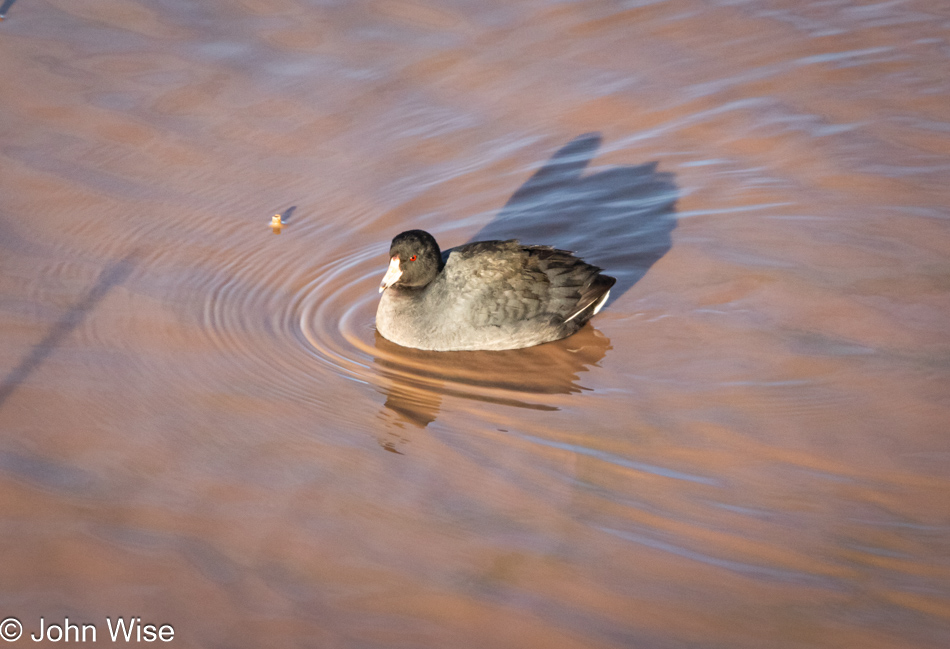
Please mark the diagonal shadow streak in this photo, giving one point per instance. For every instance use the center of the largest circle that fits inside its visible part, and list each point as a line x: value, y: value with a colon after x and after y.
x: 5, y: 8
x: 115, y: 273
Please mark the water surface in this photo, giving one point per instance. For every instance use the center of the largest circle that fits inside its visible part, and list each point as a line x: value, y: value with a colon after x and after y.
x: 199, y: 425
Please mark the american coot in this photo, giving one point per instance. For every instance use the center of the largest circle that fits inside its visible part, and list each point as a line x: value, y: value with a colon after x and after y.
x: 484, y: 295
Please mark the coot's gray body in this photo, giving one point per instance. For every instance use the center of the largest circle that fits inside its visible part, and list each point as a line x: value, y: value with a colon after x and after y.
x: 489, y: 295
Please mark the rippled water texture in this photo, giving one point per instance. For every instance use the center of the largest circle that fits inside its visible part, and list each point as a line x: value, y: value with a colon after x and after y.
x: 748, y: 447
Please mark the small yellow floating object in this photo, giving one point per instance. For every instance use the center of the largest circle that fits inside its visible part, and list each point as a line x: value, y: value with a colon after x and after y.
x: 276, y: 224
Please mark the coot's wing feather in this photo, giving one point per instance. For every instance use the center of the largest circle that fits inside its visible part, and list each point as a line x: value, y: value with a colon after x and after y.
x: 494, y: 284
x: 576, y: 287
x: 503, y: 282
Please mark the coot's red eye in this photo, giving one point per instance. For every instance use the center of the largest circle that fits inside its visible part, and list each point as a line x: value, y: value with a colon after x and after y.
x: 413, y: 258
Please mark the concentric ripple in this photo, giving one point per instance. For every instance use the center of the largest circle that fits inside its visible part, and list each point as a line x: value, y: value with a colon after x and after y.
x: 320, y: 320
x: 332, y: 315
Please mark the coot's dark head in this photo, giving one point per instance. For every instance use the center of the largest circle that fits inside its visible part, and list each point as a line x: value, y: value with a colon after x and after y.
x: 414, y: 261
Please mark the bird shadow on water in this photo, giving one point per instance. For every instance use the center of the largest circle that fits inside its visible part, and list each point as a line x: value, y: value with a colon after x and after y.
x: 620, y: 218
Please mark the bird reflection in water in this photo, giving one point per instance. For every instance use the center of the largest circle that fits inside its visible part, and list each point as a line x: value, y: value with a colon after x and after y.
x: 415, y: 380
